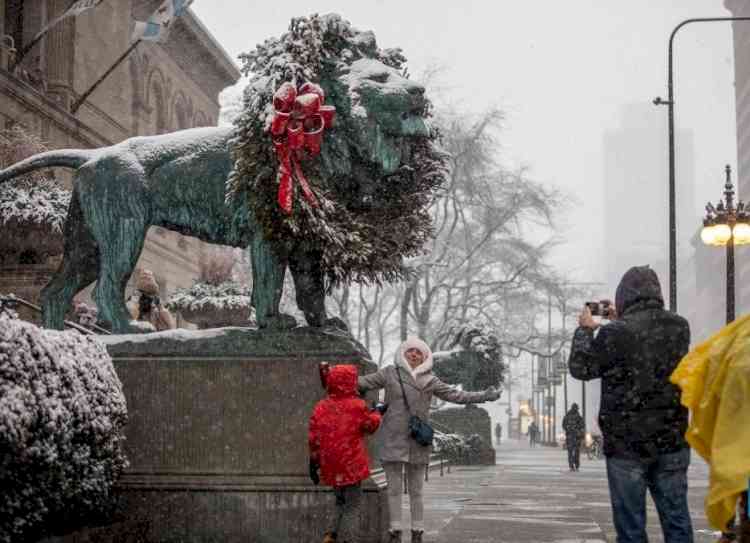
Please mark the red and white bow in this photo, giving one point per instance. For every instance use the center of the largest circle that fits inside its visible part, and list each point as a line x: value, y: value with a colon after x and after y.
x: 299, y: 120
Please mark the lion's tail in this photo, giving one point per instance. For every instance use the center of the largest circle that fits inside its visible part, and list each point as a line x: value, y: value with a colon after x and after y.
x: 68, y: 158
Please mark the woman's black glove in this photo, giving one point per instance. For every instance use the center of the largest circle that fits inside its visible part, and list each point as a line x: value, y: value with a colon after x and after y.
x: 314, y: 477
x: 381, y: 408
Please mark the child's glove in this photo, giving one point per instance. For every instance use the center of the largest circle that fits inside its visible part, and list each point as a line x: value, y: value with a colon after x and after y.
x: 324, y: 368
x: 314, y: 477
x: 381, y: 408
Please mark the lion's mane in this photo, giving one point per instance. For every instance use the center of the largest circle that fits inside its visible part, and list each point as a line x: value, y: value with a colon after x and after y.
x: 368, y: 221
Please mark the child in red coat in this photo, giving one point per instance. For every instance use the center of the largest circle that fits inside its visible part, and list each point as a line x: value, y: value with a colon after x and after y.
x: 337, y: 447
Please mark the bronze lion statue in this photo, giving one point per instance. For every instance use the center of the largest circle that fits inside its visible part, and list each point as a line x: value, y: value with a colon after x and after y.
x: 219, y: 184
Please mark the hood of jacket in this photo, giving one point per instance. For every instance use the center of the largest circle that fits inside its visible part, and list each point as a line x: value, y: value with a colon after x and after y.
x: 342, y: 381
x: 422, y: 372
x: 639, y: 284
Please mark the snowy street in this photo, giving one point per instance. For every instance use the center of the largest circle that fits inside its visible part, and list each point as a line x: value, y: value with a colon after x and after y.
x: 530, y: 496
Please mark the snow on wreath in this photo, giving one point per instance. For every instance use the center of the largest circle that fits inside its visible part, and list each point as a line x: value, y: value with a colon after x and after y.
x: 361, y: 204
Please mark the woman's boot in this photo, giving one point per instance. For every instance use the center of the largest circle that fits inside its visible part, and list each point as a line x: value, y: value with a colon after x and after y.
x: 416, y: 536
x: 395, y: 536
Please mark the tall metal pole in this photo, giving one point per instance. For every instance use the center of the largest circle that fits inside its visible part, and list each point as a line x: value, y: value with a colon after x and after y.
x: 670, y: 103
x: 729, y: 196
x: 730, y: 280
x: 550, y: 370
x: 554, y: 411
x: 533, y: 391
x: 583, y: 404
x: 548, y: 407
x: 565, y: 389
x: 510, y: 410
x: 562, y: 353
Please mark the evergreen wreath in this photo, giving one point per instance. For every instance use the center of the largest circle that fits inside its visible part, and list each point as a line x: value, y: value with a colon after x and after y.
x: 357, y: 238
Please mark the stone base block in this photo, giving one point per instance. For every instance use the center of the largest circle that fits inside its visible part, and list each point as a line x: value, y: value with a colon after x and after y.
x: 217, y: 437
x: 466, y: 421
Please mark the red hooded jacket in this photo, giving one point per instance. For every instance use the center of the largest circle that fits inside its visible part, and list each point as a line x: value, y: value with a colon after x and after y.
x: 337, y: 428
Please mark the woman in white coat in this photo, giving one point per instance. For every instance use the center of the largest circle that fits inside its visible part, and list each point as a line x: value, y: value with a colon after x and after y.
x: 413, y: 369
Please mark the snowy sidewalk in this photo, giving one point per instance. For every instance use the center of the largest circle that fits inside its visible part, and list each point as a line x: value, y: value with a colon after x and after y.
x: 531, y: 496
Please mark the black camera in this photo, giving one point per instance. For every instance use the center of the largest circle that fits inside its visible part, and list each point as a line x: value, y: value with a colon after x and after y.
x: 146, y: 303
x: 600, y: 309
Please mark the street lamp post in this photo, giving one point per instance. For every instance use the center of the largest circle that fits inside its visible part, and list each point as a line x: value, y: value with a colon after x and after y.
x: 669, y: 102
x: 727, y: 224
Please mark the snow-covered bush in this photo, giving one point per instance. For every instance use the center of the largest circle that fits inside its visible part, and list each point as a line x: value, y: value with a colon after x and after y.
x: 457, y: 448
x: 62, y: 414
x: 34, y: 203
x: 208, y: 305
x: 226, y: 295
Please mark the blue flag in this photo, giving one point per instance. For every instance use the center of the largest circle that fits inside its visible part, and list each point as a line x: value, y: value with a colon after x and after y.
x: 158, y: 25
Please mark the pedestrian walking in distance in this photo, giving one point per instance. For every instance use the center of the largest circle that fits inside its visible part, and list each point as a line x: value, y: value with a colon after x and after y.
x: 533, y: 433
x: 338, y: 455
x: 498, y: 433
x: 574, y: 429
x: 409, y: 387
x: 641, y: 418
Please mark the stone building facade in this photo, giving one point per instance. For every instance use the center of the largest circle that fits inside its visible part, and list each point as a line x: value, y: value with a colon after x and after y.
x: 158, y: 88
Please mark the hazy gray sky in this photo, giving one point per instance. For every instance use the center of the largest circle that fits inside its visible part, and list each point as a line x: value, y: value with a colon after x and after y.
x: 560, y: 70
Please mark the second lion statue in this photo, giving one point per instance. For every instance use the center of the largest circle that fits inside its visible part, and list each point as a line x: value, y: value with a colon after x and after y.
x: 178, y: 181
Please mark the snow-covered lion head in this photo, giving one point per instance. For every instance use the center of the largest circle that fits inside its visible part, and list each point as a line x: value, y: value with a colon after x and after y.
x: 378, y: 167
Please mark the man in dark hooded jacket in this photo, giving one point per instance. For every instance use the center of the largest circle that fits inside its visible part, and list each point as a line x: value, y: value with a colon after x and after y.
x: 574, y: 430
x: 641, y: 418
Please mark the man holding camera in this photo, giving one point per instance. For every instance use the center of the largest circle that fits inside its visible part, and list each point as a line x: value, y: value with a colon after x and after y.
x: 641, y: 418
x: 145, y: 305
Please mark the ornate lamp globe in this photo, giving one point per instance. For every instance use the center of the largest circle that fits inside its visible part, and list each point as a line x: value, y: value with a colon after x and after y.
x: 708, y: 234
x: 722, y: 234
x: 741, y: 233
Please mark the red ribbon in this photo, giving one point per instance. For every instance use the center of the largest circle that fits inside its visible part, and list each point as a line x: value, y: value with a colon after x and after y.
x: 297, y: 127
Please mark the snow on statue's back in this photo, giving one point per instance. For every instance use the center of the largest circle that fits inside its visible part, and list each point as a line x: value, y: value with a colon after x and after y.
x: 347, y: 206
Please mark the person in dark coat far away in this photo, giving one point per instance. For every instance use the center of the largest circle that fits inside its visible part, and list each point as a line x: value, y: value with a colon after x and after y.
x: 337, y: 447
x: 574, y: 428
x: 641, y: 418
x: 533, y: 432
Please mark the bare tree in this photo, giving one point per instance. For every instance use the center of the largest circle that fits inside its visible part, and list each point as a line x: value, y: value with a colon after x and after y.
x: 482, y: 268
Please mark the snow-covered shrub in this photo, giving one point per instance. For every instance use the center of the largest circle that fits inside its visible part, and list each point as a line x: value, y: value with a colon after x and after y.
x: 226, y: 304
x: 62, y: 414
x: 457, y: 448
x: 227, y: 295
x: 33, y: 207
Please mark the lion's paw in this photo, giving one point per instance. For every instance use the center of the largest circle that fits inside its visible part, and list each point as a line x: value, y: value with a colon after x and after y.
x: 336, y: 322
x: 282, y: 321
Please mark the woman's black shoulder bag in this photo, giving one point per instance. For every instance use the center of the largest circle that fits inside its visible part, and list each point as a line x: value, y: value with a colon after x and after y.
x: 418, y: 429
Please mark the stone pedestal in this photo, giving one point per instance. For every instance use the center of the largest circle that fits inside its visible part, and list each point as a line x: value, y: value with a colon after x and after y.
x: 217, y: 435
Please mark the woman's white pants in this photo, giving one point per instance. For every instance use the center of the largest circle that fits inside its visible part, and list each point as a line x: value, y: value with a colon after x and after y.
x: 415, y: 481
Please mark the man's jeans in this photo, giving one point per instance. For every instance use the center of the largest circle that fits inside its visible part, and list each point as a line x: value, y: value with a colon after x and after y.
x: 574, y: 453
x: 666, y: 478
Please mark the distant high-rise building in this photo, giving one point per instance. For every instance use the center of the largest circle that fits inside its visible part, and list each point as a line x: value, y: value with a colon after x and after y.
x: 636, y: 205
x: 636, y: 194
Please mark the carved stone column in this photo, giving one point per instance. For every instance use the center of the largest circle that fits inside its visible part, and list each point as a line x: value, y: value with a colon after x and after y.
x: 2, y: 17
x: 59, y: 50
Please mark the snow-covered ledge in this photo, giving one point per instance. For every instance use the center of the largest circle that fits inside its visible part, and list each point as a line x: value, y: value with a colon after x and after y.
x: 214, y: 306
